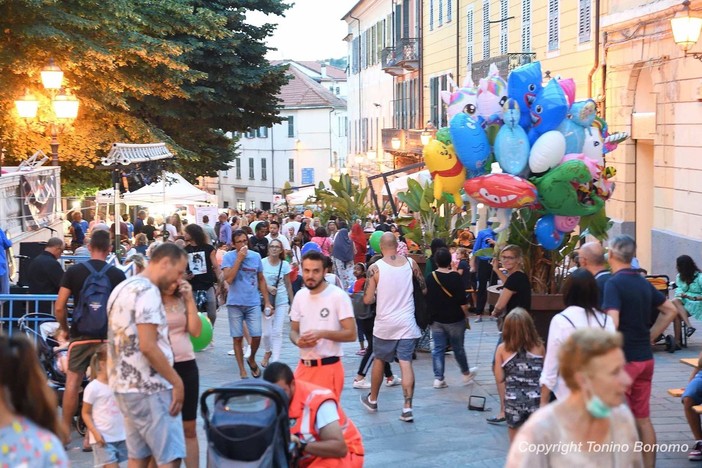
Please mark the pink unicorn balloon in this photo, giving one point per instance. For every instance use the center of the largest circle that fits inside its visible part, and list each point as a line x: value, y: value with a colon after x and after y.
x: 459, y: 100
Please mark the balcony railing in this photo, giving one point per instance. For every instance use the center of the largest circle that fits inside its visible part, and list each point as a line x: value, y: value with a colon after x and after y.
x: 389, y: 61
x: 505, y: 64
x: 408, y: 52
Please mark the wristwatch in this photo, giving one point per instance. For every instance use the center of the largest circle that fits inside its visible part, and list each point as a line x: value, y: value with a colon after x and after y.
x: 303, y: 446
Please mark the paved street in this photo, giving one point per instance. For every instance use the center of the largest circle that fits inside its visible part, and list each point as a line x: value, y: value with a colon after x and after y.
x: 445, y: 433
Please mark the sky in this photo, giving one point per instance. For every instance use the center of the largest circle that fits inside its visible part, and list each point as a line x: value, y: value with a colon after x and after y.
x: 310, y: 30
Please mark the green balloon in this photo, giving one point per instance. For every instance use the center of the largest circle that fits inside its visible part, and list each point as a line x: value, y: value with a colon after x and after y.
x: 201, y: 342
x: 375, y: 240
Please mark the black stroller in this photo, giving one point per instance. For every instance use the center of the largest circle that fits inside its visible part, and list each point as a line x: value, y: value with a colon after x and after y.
x: 248, y: 427
x: 37, y: 326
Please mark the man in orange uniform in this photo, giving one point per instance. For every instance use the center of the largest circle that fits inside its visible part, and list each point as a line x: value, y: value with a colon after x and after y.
x: 324, y: 436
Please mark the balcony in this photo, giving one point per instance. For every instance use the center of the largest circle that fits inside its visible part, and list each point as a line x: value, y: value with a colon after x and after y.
x: 408, y: 51
x: 410, y: 142
x: 505, y: 64
x: 389, y: 62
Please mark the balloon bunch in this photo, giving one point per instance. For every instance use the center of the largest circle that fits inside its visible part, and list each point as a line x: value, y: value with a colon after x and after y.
x: 548, y: 148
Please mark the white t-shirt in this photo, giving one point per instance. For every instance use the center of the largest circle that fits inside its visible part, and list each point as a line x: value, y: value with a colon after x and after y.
x: 562, y: 326
x: 284, y: 240
x: 394, y: 318
x: 270, y: 272
x: 106, y: 414
x: 172, y: 233
x: 135, y: 301
x: 327, y: 413
x: 322, y: 311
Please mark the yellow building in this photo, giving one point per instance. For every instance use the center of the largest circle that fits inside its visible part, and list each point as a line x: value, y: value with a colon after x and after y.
x: 654, y: 92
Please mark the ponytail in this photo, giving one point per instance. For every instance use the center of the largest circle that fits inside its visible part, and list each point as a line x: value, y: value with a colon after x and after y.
x: 27, y: 390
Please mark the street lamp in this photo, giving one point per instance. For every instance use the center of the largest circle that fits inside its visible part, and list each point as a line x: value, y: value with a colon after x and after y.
x: 686, y: 29
x: 395, y: 143
x: 64, y: 104
x: 425, y: 137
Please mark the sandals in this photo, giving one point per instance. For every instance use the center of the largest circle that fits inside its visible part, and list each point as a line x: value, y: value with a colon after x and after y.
x: 690, y: 331
x: 496, y: 420
x: 255, y: 371
x: 266, y: 359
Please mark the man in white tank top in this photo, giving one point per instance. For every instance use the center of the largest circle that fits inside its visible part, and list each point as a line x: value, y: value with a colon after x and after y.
x: 395, y: 331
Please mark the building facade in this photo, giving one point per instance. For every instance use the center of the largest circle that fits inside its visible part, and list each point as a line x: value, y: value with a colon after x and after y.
x: 302, y: 150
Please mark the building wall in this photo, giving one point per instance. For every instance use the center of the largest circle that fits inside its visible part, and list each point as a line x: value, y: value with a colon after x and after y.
x: 653, y: 92
x: 316, y: 139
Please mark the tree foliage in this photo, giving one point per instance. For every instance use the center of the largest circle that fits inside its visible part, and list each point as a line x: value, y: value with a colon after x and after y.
x: 343, y: 199
x: 180, y: 71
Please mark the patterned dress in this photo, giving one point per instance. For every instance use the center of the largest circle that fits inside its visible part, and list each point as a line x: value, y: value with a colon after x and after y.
x: 693, y: 289
x: 522, y: 389
x: 24, y: 444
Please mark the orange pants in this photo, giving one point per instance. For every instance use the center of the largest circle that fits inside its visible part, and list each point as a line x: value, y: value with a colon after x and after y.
x: 330, y: 376
x: 351, y: 460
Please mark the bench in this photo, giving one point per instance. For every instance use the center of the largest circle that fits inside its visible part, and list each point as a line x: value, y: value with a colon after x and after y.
x: 676, y: 392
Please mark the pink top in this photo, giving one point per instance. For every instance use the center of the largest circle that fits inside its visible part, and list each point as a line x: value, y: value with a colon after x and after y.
x: 324, y: 243
x: 180, y: 339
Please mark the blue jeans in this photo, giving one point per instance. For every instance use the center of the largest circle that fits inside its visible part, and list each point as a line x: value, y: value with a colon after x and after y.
x: 444, y: 334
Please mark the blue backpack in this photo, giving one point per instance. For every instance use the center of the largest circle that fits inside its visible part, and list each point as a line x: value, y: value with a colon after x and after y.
x: 90, y: 313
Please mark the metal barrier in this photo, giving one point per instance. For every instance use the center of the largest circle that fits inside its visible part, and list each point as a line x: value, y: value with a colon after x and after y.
x: 14, y: 306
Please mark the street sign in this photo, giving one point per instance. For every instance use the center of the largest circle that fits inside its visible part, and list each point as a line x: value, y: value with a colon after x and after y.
x: 307, y: 175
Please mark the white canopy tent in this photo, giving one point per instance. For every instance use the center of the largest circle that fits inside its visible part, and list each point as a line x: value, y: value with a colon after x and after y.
x: 400, y: 184
x: 172, y: 189
x: 300, y: 196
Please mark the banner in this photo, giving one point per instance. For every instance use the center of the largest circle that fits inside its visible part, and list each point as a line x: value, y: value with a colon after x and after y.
x: 211, y: 211
x: 11, y: 210
x: 39, y: 204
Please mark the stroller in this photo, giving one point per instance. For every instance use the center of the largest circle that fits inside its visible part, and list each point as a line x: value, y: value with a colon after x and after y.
x: 39, y: 327
x: 248, y: 427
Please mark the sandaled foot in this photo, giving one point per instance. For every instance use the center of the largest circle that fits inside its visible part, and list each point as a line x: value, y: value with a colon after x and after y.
x: 266, y: 359
x: 690, y: 331
x: 255, y: 371
x: 496, y: 420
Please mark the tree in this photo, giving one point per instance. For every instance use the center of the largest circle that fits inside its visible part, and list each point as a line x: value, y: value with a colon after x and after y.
x: 180, y: 71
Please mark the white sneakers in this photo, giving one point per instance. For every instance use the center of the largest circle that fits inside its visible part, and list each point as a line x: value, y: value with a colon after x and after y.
x: 393, y: 381
x: 468, y: 379
x: 389, y: 382
x: 440, y: 383
x: 363, y: 383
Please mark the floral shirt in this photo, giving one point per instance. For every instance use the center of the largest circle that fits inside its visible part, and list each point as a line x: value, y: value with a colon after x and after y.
x: 24, y: 444
x: 135, y: 301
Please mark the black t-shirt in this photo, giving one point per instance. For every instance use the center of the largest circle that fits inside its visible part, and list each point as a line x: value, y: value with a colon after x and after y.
x: 518, y: 283
x: 200, y: 265
x: 445, y: 309
x: 44, y: 274
x: 465, y: 275
x: 76, y: 275
x: 629, y: 293
x: 149, y: 231
x: 259, y: 245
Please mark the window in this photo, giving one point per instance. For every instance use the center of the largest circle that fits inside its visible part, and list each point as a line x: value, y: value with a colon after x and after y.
x: 431, y: 15
x: 526, y: 25
x: 291, y: 126
x: 251, y: 169
x: 252, y: 204
x: 441, y: 12
x: 355, y: 55
x: 486, y: 29
x: 237, y: 167
x: 338, y: 90
x: 584, y: 21
x: 448, y: 10
x: 241, y: 205
x: 469, y: 37
x: 553, y: 26
x: 343, y: 124
x: 250, y: 133
x: 262, y: 132
x: 504, y: 27
x: 291, y: 170
x: 264, y: 175
x: 226, y: 204
x: 438, y: 110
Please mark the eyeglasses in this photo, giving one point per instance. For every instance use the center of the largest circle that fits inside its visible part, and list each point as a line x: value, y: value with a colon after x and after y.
x: 507, y: 257
x: 277, y: 247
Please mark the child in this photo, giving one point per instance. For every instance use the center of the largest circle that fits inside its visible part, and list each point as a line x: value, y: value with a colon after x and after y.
x: 102, y: 416
x: 518, y: 363
x: 359, y: 271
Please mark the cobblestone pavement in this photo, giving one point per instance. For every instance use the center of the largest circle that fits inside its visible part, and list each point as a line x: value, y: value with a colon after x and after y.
x: 444, y: 433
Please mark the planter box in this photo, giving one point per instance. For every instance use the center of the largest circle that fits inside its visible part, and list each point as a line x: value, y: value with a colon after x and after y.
x: 421, y: 261
x: 543, y: 308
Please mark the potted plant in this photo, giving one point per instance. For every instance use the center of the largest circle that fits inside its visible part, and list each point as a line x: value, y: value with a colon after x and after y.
x: 342, y: 198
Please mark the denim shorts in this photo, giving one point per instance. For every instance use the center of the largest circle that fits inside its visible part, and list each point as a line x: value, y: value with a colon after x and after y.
x: 238, y: 314
x: 112, y: 452
x: 151, y: 430
x: 388, y: 350
x: 693, y: 389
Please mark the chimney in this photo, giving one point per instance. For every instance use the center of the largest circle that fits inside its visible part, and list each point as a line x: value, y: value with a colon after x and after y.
x: 323, y: 70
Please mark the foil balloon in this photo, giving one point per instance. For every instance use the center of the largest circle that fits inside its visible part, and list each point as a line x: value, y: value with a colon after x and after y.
x: 523, y: 84
x: 501, y: 190
x: 310, y: 246
x: 547, y: 111
x: 492, y: 93
x: 595, y: 170
x: 547, y: 152
x: 460, y: 100
x: 446, y: 170
x: 568, y: 86
x: 470, y: 143
x: 567, y: 190
x: 511, y: 144
x: 574, y: 135
x: 592, y: 145
x: 566, y: 223
x: 546, y: 233
x: 374, y: 240
x: 584, y: 113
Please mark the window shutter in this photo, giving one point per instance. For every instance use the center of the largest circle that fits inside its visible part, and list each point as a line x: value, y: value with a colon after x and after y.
x: 469, y: 37
x: 486, y: 29
x: 431, y: 15
x: 553, y: 26
x: 504, y: 27
x: 585, y: 21
x: 526, y: 25
x: 441, y: 12
x: 449, y: 13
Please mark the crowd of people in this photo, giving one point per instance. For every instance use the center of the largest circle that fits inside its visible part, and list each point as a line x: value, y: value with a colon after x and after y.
x: 591, y: 382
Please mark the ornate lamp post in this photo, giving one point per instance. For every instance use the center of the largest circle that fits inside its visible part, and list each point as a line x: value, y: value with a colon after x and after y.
x: 65, y: 105
x: 686, y: 30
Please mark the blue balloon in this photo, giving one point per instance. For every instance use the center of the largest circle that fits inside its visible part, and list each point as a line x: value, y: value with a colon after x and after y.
x: 470, y: 142
x: 574, y: 136
x: 308, y: 247
x: 511, y: 144
x: 548, y: 110
x: 546, y: 233
x: 523, y: 84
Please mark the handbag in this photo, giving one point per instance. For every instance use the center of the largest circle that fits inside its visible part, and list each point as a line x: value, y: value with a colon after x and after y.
x: 361, y: 311
x: 271, y: 297
x: 421, y: 313
x: 448, y: 293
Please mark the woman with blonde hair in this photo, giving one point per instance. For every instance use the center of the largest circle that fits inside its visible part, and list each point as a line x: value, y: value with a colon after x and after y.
x: 519, y: 360
x: 593, y: 426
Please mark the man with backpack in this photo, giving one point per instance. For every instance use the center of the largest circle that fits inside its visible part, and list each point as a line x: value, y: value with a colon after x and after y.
x: 90, y: 284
